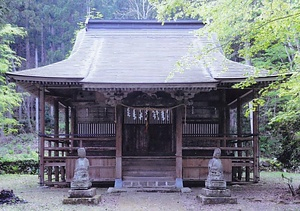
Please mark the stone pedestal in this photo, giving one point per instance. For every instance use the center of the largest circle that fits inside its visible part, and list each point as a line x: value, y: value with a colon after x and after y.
x: 215, y: 191
x: 87, y: 197
x: 215, y: 184
x: 209, y: 196
x: 81, y: 184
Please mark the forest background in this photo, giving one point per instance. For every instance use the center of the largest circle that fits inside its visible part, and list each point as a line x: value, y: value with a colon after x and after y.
x: 262, y: 33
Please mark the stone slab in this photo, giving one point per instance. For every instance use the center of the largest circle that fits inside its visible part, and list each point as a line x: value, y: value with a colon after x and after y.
x: 186, y: 190
x: 87, y: 201
x: 215, y: 184
x: 217, y: 200
x: 116, y: 190
x: 216, y: 193
x: 82, y: 193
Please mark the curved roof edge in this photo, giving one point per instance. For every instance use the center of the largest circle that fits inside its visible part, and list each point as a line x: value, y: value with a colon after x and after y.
x: 142, y: 24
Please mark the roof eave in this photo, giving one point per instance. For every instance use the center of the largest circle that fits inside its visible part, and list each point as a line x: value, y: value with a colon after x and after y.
x: 206, y: 86
x: 42, y: 80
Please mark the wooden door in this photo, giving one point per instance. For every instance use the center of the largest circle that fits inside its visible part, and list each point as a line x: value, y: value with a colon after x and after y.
x: 148, y: 135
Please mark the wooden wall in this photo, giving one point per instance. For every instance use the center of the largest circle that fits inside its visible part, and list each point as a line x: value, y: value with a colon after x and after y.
x: 101, y: 169
x: 197, y: 169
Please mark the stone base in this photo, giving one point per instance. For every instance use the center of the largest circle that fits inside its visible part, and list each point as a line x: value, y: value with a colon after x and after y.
x: 87, y: 201
x: 215, y: 193
x: 215, y: 184
x: 81, y: 185
x: 217, y: 200
x: 82, y: 193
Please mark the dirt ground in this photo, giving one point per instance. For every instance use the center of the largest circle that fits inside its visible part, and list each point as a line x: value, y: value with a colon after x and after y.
x: 271, y: 193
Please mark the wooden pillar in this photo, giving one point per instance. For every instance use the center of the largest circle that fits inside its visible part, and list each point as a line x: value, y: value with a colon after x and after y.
x: 42, y: 134
x: 67, y: 128
x: 239, y: 133
x: 56, y: 132
x: 256, y: 175
x: 224, y: 118
x: 179, y: 181
x: 67, y: 122
x: 66, y: 143
x: 119, y: 124
x: 73, y: 126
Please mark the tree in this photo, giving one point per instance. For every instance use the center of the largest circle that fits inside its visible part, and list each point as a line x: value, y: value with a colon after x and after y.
x: 124, y: 9
x: 9, y: 98
x: 264, y: 33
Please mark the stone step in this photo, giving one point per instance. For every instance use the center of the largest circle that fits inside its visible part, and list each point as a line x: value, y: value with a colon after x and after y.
x: 148, y: 182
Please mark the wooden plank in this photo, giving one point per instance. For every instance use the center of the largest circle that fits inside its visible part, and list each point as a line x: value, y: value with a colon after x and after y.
x: 222, y: 148
x: 75, y: 148
x: 242, y: 164
x: 55, y: 164
x: 217, y: 138
x: 87, y: 139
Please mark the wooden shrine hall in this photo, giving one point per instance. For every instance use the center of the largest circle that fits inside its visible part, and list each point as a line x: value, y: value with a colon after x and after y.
x: 149, y: 103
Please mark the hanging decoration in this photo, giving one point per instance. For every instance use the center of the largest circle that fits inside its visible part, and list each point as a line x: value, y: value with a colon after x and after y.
x: 148, y: 115
x: 168, y: 115
x: 128, y: 112
x: 163, y: 118
x: 141, y: 115
x: 134, y: 114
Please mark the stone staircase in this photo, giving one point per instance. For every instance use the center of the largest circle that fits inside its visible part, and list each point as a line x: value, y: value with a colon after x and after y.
x: 148, y: 182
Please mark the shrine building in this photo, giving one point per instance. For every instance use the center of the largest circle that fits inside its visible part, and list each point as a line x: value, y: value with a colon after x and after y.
x: 149, y: 102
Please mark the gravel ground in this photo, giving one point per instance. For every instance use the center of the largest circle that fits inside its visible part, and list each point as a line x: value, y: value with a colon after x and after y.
x: 270, y: 194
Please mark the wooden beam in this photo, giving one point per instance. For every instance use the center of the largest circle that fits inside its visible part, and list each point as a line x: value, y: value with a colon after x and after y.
x: 248, y: 96
x: 179, y: 182
x: 42, y: 133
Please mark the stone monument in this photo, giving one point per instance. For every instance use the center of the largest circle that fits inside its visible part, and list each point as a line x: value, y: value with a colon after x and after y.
x: 215, y: 191
x: 81, y: 191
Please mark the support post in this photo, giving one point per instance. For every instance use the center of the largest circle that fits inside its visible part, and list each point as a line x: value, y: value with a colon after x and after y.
x: 67, y: 128
x: 73, y: 126
x: 239, y: 133
x: 56, y: 132
x: 118, y: 176
x: 42, y: 134
x: 179, y: 181
x: 256, y: 175
x: 224, y: 116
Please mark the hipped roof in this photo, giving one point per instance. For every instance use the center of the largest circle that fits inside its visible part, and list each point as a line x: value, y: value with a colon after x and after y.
x: 122, y: 54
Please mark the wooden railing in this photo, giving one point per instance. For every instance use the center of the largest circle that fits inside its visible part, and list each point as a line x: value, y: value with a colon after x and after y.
x: 240, y: 150
x: 58, y: 148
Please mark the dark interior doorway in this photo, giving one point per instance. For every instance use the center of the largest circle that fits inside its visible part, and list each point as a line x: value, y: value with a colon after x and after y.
x: 149, y: 134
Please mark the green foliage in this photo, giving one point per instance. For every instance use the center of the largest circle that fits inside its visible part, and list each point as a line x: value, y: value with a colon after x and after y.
x: 265, y: 33
x: 20, y: 147
x: 19, y: 167
x: 251, y: 27
x: 9, y: 98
